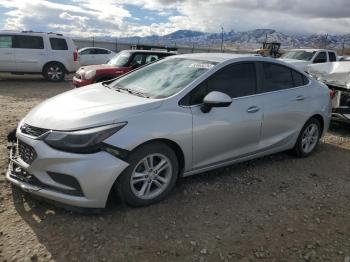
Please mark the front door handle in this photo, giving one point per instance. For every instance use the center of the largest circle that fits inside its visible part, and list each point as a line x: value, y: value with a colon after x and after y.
x: 253, y: 109
x: 300, y: 98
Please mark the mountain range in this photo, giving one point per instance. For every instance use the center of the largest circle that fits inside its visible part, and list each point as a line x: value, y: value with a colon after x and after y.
x: 242, y: 40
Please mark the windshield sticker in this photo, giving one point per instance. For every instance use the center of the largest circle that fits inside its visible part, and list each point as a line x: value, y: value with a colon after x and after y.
x: 204, y: 66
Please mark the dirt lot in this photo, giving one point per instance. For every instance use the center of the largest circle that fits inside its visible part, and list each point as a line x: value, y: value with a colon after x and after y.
x: 277, y: 208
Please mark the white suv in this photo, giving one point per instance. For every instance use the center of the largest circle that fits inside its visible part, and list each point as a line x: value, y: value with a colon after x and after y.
x: 52, y: 55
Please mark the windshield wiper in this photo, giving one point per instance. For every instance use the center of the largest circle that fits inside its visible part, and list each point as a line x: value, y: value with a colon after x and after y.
x: 131, y: 91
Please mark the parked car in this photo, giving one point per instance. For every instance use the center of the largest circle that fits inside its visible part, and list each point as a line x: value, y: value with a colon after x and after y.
x: 336, y: 76
x: 52, y: 55
x: 344, y: 58
x: 177, y: 117
x: 300, y: 58
x: 120, y: 64
x: 94, y: 55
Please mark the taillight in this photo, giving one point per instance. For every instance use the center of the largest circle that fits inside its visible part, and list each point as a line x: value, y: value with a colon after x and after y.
x: 75, y: 56
x: 331, y: 93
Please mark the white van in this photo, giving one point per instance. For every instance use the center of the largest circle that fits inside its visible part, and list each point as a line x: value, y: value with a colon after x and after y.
x: 52, y: 55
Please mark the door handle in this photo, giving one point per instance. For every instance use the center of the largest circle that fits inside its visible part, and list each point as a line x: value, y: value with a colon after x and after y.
x: 300, y: 98
x: 253, y: 109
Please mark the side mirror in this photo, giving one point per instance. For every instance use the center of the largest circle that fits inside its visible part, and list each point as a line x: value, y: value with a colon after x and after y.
x: 215, y: 99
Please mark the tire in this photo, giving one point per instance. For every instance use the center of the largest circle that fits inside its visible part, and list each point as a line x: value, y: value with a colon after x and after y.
x: 141, y: 184
x: 54, y: 72
x: 308, y: 139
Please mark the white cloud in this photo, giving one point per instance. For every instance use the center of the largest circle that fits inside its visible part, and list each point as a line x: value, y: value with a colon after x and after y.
x: 111, y: 17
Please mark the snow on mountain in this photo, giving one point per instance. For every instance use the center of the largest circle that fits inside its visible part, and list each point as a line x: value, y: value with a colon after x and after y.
x: 244, y: 40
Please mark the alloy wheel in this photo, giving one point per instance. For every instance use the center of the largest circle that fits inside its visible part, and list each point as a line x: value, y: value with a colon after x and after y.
x: 55, y: 72
x: 151, y: 176
x: 310, y: 138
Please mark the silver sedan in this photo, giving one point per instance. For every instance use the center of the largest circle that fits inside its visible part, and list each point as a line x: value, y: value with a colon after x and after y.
x: 181, y: 116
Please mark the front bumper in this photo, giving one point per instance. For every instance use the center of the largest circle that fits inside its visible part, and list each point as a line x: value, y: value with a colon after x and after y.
x: 77, y: 82
x: 94, y: 174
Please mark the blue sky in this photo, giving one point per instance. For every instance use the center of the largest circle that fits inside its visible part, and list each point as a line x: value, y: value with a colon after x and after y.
x: 139, y: 18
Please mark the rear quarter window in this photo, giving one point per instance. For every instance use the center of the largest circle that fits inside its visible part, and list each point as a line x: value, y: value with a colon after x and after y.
x: 277, y: 77
x: 58, y: 44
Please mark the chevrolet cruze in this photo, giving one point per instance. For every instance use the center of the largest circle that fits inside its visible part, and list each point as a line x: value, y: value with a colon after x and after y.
x: 177, y: 117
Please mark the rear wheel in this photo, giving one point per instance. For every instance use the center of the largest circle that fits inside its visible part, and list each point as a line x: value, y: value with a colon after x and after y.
x: 308, y: 138
x: 150, y: 176
x: 54, y: 72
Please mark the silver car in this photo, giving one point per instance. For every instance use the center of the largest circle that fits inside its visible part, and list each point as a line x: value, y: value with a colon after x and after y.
x: 180, y: 116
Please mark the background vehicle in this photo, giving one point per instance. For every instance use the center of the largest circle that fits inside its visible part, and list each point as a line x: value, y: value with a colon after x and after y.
x: 94, y: 55
x: 271, y: 49
x: 179, y: 116
x: 49, y: 54
x: 336, y: 75
x: 303, y: 57
x: 120, y: 64
x: 344, y: 58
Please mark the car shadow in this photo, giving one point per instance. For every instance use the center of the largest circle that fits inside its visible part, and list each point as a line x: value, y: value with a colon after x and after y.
x: 232, y: 197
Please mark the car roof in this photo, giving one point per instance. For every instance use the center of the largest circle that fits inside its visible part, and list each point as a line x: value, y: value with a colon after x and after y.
x: 216, y: 57
x: 148, y: 51
x: 95, y: 47
x: 13, y: 32
x: 310, y: 49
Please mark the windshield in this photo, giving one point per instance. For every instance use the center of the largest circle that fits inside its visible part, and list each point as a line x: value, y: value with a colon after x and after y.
x: 120, y: 59
x: 163, y: 78
x: 299, y: 55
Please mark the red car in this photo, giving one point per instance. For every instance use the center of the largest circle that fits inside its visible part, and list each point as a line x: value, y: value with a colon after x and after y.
x: 122, y: 63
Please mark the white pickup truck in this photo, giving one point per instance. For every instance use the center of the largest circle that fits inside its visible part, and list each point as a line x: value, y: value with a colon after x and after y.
x: 301, y: 58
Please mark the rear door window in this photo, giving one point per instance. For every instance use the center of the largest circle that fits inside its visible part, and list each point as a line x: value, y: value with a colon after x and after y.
x: 276, y: 77
x: 332, y: 57
x: 28, y: 42
x: 58, y: 43
x: 5, y: 41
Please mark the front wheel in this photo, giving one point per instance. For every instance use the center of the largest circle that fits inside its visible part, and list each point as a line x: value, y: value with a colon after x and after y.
x: 308, y: 138
x: 54, y: 72
x: 150, y: 177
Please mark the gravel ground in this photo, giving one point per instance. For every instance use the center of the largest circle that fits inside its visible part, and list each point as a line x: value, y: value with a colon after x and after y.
x: 276, y: 208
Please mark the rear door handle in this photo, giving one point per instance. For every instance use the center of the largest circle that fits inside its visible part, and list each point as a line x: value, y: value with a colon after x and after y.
x: 300, y: 98
x: 253, y: 109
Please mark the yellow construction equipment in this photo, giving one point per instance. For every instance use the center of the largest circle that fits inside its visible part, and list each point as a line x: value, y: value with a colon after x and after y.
x: 271, y: 49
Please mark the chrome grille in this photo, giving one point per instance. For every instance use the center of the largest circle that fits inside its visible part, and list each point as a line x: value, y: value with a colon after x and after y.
x: 32, y: 131
x: 26, y: 152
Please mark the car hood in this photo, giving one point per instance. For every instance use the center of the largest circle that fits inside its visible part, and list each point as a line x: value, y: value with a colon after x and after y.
x: 87, y: 107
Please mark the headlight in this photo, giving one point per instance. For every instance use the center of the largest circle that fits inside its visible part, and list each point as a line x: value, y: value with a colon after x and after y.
x: 89, y: 74
x: 82, y: 141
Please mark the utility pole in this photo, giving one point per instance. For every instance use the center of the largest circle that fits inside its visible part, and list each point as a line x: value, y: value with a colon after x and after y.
x: 222, y: 39
x: 343, y: 47
x: 325, y: 41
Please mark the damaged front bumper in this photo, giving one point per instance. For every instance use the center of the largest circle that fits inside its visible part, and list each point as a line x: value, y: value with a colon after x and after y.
x: 80, y: 180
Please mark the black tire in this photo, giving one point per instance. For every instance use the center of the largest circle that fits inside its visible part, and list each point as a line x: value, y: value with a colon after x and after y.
x: 54, y: 72
x: 299, y: 149
x: 123, y: 184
